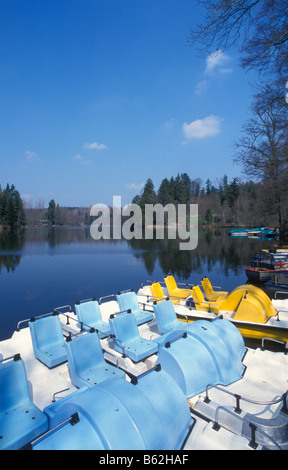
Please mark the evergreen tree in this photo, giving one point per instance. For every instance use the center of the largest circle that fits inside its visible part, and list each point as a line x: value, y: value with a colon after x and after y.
x: 11, y: 208
x: 51, y: 213
x: 148, y: 196
x: 164, y: 194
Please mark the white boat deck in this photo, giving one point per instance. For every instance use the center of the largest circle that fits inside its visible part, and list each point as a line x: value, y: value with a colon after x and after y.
x: 264, y: 380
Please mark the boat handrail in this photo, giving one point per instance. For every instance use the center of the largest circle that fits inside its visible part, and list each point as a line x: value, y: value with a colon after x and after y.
x: 73, y: 419
x: 134, y: 378
x: 266, y: 338
x: 252, y: 426
x: 280, y: 292
x: 248, y: 400
x: 33, y: 318
x: 152, y: 298
x: 123, y: 292
x: 91, y: 328
x: 106, y: 297
x: 57, y: 393
x: 85, y: 300
x: 162, y: 283
x: 15, y: 358
x: 180, y: 335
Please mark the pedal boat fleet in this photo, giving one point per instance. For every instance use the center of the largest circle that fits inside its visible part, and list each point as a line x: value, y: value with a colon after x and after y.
x: 124, y: 373
x: 248, y: 307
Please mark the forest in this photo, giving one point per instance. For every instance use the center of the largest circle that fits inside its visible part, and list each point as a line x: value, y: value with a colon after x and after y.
x: 222, y: 203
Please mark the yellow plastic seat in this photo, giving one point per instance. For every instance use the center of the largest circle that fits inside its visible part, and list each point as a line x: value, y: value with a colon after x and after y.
x: 174, y: 291
x: 202, y: 304
x: 210, y: 293
x: 158, y: 294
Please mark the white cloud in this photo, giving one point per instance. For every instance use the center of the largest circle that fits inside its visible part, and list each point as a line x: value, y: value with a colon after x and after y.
x: 215, y: 62
x: 31, y: 156
x: 201, y: 87
x: 201, y: 128
x: 169, y: 124
x: 134, y: 186
x: 94, y: 146
x: 81, y: 159
x: 217, y: 65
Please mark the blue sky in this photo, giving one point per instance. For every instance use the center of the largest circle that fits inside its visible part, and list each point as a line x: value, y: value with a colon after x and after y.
x: 96, y: 96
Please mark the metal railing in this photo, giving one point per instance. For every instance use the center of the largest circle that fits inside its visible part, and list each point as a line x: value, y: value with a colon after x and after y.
x: 254, y: 428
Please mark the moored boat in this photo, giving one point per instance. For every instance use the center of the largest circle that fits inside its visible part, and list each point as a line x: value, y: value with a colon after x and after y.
x: 200, y: 389
x: 263, y: 232
x: 262, y: 274
x: 248, y: 307
x: 240, y: 232
x: 277, y: 285
x: 258, y: 232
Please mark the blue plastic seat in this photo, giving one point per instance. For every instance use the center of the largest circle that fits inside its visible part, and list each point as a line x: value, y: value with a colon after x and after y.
x: 129, y: 301
x: 20, y: 420
x: 89, y: 314
x: 166, y: 317
x: 47, y: 340
x: 124, y: 328
x: 86, y: 363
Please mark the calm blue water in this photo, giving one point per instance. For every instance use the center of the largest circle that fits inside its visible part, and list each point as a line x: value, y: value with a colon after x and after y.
x: 41, y: 269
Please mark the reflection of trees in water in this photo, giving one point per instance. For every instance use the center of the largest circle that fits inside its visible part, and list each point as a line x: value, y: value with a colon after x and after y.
x: 55, y: 236
x: 11, y: 241
x: 215, y: 248
x: 10, y: 262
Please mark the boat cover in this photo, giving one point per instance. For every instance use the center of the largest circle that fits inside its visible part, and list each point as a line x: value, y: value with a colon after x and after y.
x: 210, y: 352
x: 250, y: 303
x: 150, y: 414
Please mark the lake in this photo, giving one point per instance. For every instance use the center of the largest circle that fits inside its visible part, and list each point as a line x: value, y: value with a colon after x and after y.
x: 41, y: 269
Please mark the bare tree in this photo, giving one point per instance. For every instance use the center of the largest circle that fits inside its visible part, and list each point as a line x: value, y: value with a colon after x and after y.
x: 258, y: 28
x: 263, y: 151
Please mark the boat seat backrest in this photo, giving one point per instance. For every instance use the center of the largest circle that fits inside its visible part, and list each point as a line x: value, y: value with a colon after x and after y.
x: 207, y: 286
x: 84, y: 352
x: 88, y: 312
x: 165, y: 314
x: 48, y: 341
x: 197, y: 294
x: 20, y: 420
x: 124, y: 327
x: 13, y: 384
x: 46, y: 331
x: 157, y: 291
x: 170, y: 284
x: 128, y: 301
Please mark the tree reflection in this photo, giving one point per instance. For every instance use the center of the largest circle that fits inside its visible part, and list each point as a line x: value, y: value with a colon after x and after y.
x: 214, y: 248
x: 11, y: 241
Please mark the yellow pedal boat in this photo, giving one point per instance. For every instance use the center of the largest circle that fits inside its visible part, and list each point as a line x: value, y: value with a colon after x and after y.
x: 248, y: 307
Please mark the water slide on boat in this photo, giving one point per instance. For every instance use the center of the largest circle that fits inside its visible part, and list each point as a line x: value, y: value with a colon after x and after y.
x: 159, y: 384
x: 248, y: 307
